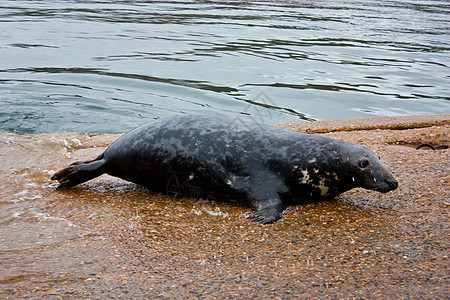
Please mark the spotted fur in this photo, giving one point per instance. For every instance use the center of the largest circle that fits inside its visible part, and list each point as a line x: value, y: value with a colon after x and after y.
x: 264, y: 167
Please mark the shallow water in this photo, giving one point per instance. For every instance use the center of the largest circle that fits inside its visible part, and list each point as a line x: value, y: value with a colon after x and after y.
x: 108, y: 67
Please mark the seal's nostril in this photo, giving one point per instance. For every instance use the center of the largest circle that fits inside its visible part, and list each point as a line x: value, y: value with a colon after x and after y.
x: 393, y: 184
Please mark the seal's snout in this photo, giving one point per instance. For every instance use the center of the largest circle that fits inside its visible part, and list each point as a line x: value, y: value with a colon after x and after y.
x: 383, y: 186
x: 392, y: 184
x: 372, y: 174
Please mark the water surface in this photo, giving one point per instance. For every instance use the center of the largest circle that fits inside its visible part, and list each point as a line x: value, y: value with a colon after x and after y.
x: 110, y: 66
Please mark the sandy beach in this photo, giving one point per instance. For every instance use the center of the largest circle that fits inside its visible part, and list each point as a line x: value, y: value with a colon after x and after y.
x: 112, y: 239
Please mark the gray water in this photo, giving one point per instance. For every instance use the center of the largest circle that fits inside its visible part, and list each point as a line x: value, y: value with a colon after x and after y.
x: 111, y: 66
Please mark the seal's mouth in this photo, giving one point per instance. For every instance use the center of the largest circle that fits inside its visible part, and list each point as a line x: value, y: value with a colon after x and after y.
x: 387, y: 186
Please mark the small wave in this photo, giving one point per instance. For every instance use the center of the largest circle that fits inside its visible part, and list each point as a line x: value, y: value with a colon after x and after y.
x: 27, y: 194
x: 47, y: 217
x: 216, y: 212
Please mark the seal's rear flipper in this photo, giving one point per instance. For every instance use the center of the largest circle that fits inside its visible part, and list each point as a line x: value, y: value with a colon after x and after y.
x: 79, y: 172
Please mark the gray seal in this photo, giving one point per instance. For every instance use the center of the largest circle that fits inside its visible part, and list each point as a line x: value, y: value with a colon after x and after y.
x: 264, y: 167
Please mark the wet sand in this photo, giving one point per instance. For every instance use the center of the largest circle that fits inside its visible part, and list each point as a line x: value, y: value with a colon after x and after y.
x: 112, y: 239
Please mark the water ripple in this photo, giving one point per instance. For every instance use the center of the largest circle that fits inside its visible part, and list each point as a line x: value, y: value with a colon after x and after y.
x: 108, y: 67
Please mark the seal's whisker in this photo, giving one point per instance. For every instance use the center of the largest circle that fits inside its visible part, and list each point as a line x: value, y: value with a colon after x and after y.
x: 372, y: 200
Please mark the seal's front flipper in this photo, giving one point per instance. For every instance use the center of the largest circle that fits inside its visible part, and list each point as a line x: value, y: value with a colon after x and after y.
x: 79, y: 172
x: 268, y: 211
x: 265, y: 189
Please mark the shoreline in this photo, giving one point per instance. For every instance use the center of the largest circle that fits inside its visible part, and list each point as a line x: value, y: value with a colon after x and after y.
x: 369, y: 123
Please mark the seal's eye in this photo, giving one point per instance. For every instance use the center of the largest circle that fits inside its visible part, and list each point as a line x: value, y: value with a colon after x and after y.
x: 363, y: 163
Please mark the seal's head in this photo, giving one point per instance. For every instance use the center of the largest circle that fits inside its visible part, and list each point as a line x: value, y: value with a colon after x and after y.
x: 366, y: 170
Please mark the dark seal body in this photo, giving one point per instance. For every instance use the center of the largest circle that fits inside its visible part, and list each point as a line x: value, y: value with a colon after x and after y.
x: 264, y: 167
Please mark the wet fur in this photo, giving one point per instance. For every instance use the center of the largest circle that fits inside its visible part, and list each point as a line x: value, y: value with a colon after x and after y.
x: 264, y: 167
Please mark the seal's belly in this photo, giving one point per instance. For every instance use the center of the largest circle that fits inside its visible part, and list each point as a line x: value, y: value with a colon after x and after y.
x: 177, y: 173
